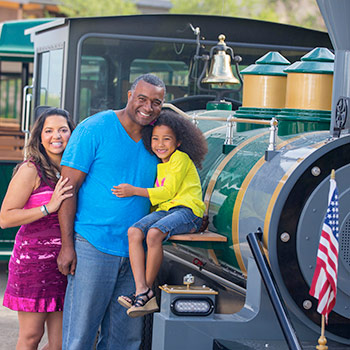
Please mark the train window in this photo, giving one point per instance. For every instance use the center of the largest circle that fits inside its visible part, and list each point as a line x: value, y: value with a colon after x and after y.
x: 50, y: 78
x: 109, y: 65
x: 93, y: 72
x: 174, y: 74
x: 11, y: 93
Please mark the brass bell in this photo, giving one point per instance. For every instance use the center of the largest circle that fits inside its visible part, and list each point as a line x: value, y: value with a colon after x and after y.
x: 220, y: 71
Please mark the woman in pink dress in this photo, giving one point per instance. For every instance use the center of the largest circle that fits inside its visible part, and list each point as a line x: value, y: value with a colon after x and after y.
x: 35, y: 287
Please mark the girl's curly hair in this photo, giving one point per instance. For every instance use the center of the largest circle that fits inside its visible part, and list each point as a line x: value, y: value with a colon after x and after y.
x: 191, y: 138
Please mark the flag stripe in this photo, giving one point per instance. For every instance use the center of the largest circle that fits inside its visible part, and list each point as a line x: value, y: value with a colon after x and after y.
x: 324, y: 281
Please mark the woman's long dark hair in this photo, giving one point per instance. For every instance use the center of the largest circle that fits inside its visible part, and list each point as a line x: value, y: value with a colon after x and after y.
x: 191, y: 138
x: 36, y: 151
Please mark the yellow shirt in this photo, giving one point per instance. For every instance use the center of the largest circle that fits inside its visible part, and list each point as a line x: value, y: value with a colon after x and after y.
x: 177, y: 184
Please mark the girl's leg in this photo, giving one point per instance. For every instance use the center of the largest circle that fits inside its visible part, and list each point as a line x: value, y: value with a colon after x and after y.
x: 178, y: 220
x: 154, y: 240
x: 54, y: 330
x: 137, y: 258
x: 145, y: 300
x: 31, y: 329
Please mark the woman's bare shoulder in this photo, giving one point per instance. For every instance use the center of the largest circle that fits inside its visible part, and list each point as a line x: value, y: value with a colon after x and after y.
x: 27, y: 171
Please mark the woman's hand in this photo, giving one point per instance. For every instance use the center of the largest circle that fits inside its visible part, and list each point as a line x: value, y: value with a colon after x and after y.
x: 59, y: 195
x: 124, y: 190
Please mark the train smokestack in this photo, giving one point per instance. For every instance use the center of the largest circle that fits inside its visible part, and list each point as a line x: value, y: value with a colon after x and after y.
x: 336, y: 16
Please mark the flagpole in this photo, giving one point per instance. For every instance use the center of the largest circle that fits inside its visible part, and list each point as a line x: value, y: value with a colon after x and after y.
x: 322, y: 340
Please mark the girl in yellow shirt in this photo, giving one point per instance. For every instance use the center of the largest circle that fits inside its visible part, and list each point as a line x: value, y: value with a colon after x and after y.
x: 177, y: 193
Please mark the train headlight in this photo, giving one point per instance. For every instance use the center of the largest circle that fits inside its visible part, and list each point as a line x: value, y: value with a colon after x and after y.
x: 186, y: 306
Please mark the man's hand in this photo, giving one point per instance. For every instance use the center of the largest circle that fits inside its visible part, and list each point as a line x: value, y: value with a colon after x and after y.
x: 67, y: 260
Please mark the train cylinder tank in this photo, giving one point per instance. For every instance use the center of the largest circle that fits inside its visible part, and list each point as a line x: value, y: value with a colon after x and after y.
x: 282, y: 190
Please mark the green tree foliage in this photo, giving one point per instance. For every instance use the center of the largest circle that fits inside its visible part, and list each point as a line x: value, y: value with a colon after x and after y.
x: 258, y: 9
x: 296, y: 12
x: 84, y: 8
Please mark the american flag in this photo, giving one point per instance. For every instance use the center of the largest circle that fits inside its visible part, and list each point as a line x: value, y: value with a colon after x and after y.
x: 324, y: 282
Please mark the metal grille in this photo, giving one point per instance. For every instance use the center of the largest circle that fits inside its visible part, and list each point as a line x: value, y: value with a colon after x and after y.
x: 344, y: 243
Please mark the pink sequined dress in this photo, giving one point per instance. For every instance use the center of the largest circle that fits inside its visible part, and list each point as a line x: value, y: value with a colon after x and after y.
x: 34, y: 282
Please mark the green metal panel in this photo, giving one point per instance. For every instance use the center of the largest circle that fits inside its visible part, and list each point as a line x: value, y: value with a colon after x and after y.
x: 7, y: 236
x: 227, y: 187
x: 295, y: 121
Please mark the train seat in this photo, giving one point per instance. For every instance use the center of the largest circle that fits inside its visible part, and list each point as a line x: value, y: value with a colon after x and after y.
x: 206, y: 236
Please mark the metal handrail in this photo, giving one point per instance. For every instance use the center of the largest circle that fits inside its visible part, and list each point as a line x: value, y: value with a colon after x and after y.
x: 231, y: 119
x: 221, y: 119
x: 26, y: 105
x: 273, y: 291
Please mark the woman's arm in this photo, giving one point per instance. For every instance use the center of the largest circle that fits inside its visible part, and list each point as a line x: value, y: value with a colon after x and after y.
x: 126, y: 190
x: 20, y: 188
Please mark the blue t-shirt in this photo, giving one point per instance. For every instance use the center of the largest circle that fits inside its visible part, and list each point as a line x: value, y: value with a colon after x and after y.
x: 101, y: 148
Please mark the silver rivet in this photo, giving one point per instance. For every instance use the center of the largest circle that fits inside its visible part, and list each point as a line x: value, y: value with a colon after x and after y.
x: 315, y: 171
x: 285, y: 237
x: 307, y: 304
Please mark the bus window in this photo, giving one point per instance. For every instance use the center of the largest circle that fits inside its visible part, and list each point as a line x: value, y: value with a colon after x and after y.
x: 50, y: 78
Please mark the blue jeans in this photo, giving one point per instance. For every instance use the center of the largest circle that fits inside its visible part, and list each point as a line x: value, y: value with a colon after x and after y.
x: 175, y: 221
x: 91, y: 302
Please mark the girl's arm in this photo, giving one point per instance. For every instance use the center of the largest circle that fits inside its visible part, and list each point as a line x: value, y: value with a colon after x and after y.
x: 126, y: 190
x: 20, y: 188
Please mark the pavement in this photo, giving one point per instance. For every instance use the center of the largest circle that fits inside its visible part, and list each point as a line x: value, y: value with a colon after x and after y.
x: 8, y: 318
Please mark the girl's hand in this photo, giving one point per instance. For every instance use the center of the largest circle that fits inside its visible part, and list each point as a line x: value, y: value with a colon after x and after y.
x: 124, y: 190
x: 59, y: 195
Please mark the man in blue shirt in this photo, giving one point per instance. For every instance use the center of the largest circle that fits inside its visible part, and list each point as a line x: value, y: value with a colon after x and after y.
x: 105, y: 150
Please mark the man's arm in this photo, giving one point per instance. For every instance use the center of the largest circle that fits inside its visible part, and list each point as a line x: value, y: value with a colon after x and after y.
x: 67, y: 259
